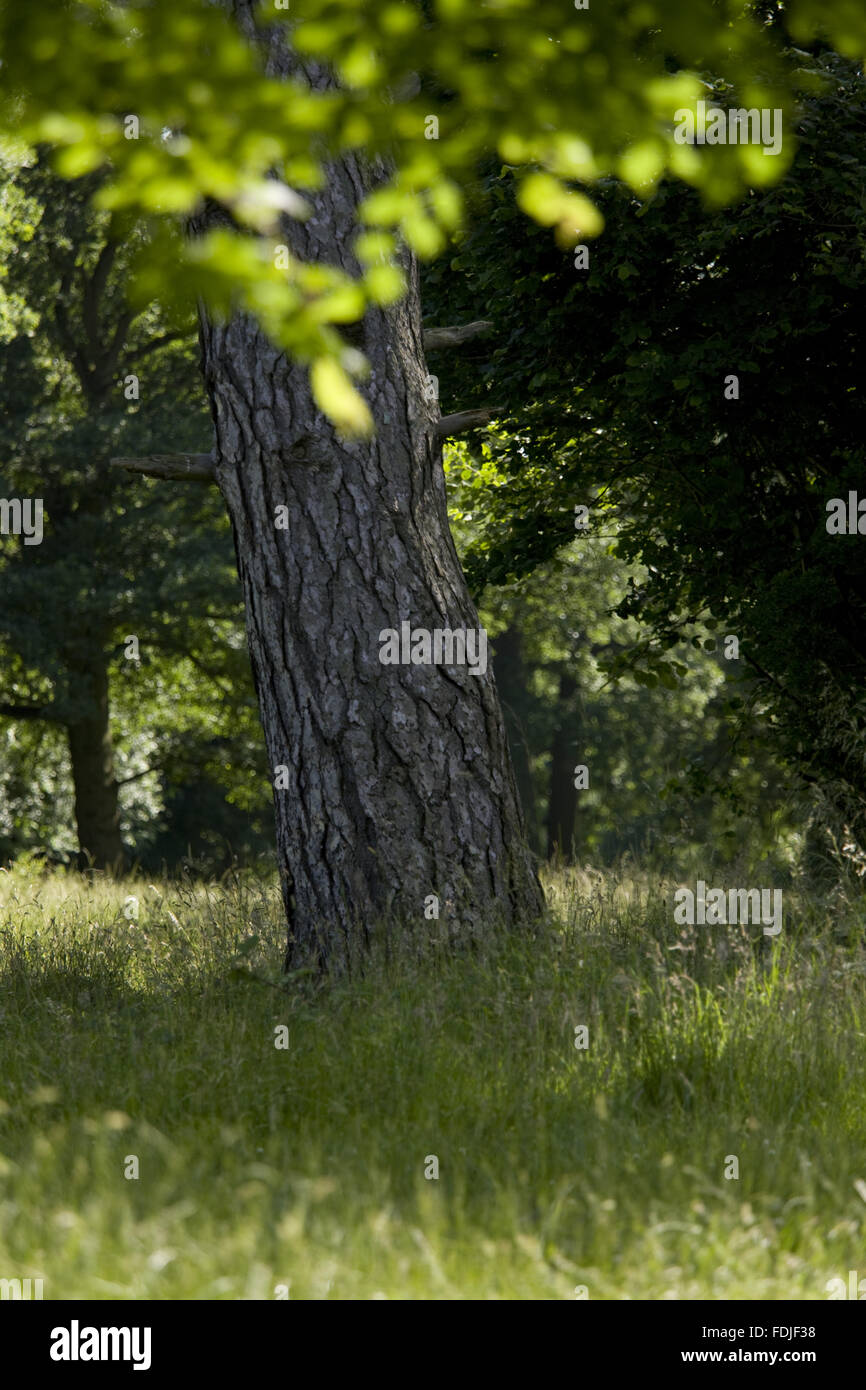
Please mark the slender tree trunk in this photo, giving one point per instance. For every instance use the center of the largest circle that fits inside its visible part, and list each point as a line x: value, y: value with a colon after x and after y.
x: 562, y: 805
x: 398, y: 780
x: 91, y: 754
x: 511, y: 680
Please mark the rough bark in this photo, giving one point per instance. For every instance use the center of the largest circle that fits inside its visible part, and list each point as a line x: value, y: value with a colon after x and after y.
x: 400, y: 783
x: 97, y: 814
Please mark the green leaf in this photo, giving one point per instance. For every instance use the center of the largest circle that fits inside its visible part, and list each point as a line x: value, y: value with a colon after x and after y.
x: 337, y: 397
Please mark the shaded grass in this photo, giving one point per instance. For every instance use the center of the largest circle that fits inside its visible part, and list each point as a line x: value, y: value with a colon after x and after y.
x: 304, y: 1167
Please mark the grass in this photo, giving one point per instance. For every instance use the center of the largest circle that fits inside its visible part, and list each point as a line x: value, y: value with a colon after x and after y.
x: 304, y: 1167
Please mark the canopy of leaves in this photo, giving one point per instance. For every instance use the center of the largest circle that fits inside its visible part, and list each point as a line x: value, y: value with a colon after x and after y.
x: 172, y: 100
x: 616, y: 378
x: 672, y: 779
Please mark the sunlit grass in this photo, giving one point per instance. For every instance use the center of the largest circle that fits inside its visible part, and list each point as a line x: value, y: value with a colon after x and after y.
x: 304, y: 1168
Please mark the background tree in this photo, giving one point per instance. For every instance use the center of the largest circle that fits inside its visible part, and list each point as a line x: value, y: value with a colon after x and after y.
x: 671, y: 779
x: 130, y: 583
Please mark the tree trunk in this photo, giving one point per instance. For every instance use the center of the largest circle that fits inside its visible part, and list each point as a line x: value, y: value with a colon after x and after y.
x: 562, y: 805
x: 511, y: 680
x: 399, y: 784
x: 92, y: 756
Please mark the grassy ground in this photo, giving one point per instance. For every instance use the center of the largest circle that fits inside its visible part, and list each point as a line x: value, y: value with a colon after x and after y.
x: 304, y: 1167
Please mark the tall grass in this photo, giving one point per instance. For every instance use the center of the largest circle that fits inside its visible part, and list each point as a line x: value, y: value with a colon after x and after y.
x: 304, y: 1168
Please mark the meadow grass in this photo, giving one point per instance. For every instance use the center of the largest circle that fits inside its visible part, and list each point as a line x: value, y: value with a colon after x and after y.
x: 304, y: 1167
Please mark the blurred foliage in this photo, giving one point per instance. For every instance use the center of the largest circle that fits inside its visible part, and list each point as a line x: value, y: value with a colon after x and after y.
x: 614, y: 378
x: 119, y: 557
x: 176, y: 105
x: 678, y: 774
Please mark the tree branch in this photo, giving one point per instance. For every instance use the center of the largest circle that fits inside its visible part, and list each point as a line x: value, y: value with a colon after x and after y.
x: 435, y: 338
x: 192, y: 468
x: 155, y: 344
x: 93, y: 291
x: 124, y: 781
x: 67, y: 337
x: 124, y: 323
x: 466, y: 420
x: 174, y: 649
x: 25, y: 712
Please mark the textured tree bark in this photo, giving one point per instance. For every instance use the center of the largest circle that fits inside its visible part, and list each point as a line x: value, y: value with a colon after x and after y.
x: 91, y: 754
x: 399, y: 780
